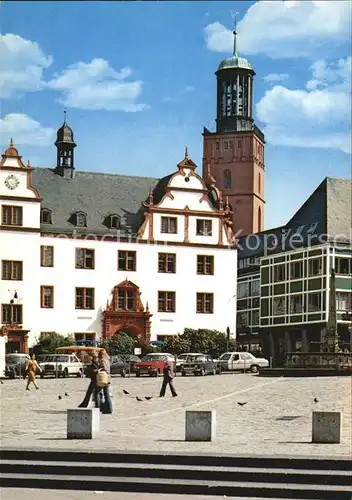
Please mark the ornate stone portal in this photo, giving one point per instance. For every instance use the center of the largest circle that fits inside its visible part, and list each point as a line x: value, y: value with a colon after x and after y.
x: 126, y: 312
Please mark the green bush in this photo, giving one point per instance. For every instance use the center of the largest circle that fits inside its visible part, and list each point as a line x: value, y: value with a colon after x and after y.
x: 211, y: 342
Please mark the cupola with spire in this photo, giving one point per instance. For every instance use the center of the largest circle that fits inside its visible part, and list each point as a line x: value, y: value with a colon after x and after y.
x: 65, y: 145
x: 234, y: 92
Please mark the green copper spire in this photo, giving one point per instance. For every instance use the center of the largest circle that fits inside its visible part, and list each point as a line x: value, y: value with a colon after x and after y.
x: 234, y: 17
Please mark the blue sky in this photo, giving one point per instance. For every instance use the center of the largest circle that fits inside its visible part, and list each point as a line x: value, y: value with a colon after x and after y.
x: 137, y: 80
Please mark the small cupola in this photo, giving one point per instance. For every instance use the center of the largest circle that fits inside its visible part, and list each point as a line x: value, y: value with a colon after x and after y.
x: 65, y: 145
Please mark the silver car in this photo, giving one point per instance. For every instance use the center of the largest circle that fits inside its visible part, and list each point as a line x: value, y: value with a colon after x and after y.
x: 240, y: 361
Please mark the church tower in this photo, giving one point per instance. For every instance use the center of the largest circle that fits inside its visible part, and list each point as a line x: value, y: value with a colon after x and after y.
x: 65, y: 145
x: 234, y: 154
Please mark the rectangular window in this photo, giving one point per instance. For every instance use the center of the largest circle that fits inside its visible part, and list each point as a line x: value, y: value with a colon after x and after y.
x: 12, y: 270
x: 126, y: 299
x: 243, y: 290
x: 127, y: 260
x: 11, y: 216
x: 169, y: 225
x: 167, y: 263
x: 279, y: 306
x: 166, y: 301
x: 204, y: 227
x: 205, y: 303
x: 47, y: 297
x: 314, y: 267
x: 242, y: 318
x: 217, y: 146
x: 279, y: 272
x: 230, y: 144
x: 87, y: 337
x: 226, y: 145
x: 84, y: 258
x: 84, y: 298
x: 296, y: 270
x: 205, y: 264
x: 11, y: 314
x: 296, y: 304
x: 314, y: 302
x: 343, y: 266
x: 255, y: 317
x: 46, y: 256
x: 343, y: 301
x: 255, y: 288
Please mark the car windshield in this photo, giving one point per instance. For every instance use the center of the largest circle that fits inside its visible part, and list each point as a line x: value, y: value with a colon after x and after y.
x: 116, y: 359
x: 182, y: 356
x: 195, y: 357
x: 225, y: 357
x: 154, y: 357
x: 57, y: 359
x: 15, y: 358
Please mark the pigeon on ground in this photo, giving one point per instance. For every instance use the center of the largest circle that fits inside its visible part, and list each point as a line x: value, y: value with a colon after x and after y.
x: 242, y: 404
x: 148, y: 398
x: 125, y: 392
x: 66, y: 394
x: 315, y: 400
x: 59, y: 397
x: 1, y: 381
x: 139, y: 399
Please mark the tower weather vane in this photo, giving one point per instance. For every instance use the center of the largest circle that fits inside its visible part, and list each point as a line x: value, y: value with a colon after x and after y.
x: 234, y: 16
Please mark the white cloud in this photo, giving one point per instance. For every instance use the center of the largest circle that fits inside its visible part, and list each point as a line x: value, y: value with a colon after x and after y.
x: 21, y: 65
x: 275, y: 77
x: 24, y: 130
x: 318, y: 116
x: 284, y: 29
x: 96, y: 85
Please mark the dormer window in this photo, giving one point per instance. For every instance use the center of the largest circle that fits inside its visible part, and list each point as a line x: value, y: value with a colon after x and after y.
x: 46, y: 216
x: 81, y: 219
x: 113, y: 221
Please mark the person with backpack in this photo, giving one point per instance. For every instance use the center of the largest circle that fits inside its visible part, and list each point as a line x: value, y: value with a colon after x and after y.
x: 102, y: 396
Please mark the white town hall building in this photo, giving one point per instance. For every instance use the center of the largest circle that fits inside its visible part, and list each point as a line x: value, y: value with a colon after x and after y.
x: 91, y: 254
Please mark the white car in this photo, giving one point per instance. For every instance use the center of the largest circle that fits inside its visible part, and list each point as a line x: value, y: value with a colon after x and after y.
x: 182, y: 358
x: 240, y: 361
x: 61, y: 365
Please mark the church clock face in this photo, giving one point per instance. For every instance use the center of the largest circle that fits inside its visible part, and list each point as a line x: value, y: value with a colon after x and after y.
x: 11, y: 182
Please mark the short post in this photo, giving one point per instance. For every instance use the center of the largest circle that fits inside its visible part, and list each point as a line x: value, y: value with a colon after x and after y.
x: 82, y: 423
x: 200, y: 425
x: 326, y: 427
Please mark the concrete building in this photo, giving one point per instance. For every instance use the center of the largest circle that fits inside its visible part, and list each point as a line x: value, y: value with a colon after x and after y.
x: 284, y: 276
x: 92, y: 254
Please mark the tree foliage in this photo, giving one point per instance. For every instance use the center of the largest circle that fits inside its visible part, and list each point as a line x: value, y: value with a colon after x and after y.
x: 49, y: 343
x: 120, y: 343
x: 211, y: 342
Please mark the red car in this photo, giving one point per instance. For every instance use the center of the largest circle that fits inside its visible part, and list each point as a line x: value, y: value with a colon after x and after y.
x: 153, y: 364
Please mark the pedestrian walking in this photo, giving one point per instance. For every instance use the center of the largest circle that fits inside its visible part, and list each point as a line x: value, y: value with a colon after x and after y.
x: 102, y: 396
x: 92, y: 373
x: 168, y: 380
x: 31, y: 370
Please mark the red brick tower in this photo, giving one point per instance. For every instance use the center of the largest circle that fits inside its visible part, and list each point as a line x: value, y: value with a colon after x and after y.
x: 234, y: 154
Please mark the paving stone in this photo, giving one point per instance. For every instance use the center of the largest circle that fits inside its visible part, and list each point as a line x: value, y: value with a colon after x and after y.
x: 37, y: 419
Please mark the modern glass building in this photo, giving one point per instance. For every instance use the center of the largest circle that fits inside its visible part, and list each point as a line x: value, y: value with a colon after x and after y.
x: 284, y: 276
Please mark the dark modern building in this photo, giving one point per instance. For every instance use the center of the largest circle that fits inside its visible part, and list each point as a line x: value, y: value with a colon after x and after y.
x: 284, y: 276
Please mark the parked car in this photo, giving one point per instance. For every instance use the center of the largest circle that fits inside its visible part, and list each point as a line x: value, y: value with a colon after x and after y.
x: 118, y: 366
x: 240, y: 361
x: 181, y: 358
x: 15, y: 365
x: 61, y: 365
x: 153, y: 364
x: 130, y: 360
x: 198, y: 364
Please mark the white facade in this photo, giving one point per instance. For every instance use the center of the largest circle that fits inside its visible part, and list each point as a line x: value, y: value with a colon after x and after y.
x: 185, y: 200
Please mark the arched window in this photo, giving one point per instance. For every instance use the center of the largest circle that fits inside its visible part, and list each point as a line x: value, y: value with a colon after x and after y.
x: 259, y: 183
x: 81, y: 219
x: 227, y: 179
x: 114, y: 221
x: 46, y: 216
x: 259, y: 219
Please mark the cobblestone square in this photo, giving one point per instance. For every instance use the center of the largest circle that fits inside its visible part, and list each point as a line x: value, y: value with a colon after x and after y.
x: 276, y: 420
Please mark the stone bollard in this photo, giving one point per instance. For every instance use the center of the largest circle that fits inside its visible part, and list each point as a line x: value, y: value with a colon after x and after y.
x: 326, y: 427
x: 200, y: 425
x: 82, y: 423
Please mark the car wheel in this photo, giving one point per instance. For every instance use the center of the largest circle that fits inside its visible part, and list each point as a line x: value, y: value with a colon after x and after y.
x: 123, y: 373
x: 79, y: 374
x: 138, y: 374
x: 202, y: 372
x: 214, y: 371
x: 65, y: 373
x: 183, y: 374
x: 254, y: 368
x: 42, y: 375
